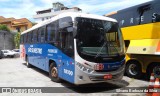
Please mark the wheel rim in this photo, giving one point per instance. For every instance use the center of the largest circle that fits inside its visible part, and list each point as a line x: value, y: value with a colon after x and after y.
x: 133, y: 69
x: 156, y: 71
x: 54, y: 72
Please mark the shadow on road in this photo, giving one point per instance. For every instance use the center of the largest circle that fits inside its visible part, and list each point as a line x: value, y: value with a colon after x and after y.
x: 87, y: 88
x: 144, y: 77
x: 96, y: 88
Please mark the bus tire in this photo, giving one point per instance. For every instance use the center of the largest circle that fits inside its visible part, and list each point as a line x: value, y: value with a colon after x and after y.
x: 153, y: 67
x: 53, y: 73
x: 27, y: 63
x: 133, y: 69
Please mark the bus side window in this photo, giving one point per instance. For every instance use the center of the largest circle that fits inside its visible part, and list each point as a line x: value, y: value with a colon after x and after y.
x: 48, y: 31
x: 21, y: 39
x: 57, y: 36
x: 41, y: 34
x: 66, y: 38
x: 51, y: 30
x: 35, y: 36
x: 69, y: 41
x: 62, y: 40
x: 26, y: 37
x: 28, y: 40
x: 31, y: 37
x: 46, y: 34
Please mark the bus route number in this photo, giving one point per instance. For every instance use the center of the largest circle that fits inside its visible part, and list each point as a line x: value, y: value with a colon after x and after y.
x: 68, y: 72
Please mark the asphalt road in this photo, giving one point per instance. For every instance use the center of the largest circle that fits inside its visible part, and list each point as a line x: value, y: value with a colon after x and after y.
x: 14, y: 73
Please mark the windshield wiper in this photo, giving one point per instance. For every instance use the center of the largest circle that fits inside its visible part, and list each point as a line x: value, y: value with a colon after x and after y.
x: 99, y: 52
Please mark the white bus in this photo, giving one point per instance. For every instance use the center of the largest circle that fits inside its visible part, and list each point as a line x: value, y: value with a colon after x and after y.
x: 76, y: 47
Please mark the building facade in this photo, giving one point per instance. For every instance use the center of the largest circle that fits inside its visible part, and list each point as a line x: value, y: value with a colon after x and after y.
x: 51, y: 12
x: 16, y: 25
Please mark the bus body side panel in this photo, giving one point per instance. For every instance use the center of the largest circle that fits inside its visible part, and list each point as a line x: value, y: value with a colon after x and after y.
x: 64, y: 63
x: 40, y: 54
x: 68, y: 68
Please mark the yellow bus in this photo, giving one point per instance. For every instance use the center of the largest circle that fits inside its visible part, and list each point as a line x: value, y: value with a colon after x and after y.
x: 140, y: 26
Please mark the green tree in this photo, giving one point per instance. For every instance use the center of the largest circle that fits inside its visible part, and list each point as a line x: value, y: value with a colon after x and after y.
x: 4, y: 28
x: 17, y: 40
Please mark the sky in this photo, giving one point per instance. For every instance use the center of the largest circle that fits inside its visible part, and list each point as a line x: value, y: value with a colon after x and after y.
x: 28, y: 8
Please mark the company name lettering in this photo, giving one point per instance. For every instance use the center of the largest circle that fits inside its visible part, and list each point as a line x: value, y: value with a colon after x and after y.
x: 35, y: 50
x: 52, y: 50
x: 132, y: 20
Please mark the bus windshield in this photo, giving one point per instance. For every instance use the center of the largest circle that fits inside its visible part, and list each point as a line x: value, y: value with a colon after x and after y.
x: 98, y: 37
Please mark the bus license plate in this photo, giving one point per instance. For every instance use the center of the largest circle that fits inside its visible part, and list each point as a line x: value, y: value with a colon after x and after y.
x: 108, y: 76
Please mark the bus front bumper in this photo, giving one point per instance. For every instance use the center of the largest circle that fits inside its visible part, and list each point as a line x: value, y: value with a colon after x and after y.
x: 82, y: 77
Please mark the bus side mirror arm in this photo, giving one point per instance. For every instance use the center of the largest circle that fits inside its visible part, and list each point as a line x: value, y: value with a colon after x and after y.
x: 74, y: 32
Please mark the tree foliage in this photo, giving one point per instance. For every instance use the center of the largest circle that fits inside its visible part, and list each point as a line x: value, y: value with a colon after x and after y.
x: 4, y: 28
x: 17, y: 40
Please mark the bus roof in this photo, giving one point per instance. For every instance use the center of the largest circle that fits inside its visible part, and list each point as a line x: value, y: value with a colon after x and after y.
x: 138, y: 6
x: 135, y: 7
x: 71, y: 14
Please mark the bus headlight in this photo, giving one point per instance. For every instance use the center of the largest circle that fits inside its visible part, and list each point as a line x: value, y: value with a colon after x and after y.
x: 84, y: 68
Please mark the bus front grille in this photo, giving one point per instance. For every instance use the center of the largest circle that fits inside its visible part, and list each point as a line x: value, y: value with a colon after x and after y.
x: 105, y: 70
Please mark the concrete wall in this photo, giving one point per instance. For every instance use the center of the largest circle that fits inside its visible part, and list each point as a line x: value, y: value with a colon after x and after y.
x: 6, y: 41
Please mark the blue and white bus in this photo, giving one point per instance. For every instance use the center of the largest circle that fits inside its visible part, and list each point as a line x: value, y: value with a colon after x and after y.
x: 76, y: 47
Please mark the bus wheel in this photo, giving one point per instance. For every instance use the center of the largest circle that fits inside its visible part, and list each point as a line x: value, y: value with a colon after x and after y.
x: 27, y: 63
x: 133, y: 69
x: 53, y: 73
x: 156, y: 70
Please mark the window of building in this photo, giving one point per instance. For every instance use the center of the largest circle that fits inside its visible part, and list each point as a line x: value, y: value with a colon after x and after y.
x: 18, y: 29
x: 26, y: 27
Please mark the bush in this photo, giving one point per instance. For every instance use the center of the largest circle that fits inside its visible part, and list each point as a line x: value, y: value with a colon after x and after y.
x: 4, y: 28
x: 17, y: 40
